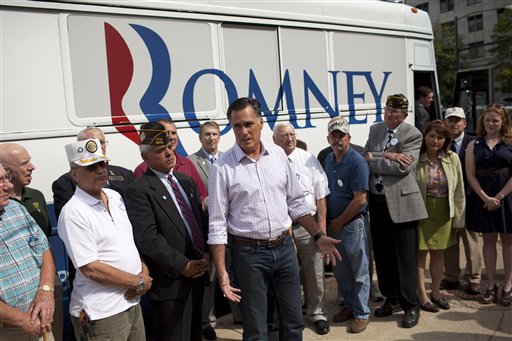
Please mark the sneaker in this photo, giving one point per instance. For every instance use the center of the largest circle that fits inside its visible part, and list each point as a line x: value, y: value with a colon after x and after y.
x: 358, y: 325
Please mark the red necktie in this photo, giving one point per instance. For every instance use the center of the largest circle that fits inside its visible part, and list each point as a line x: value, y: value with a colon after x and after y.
x: 195, y: 229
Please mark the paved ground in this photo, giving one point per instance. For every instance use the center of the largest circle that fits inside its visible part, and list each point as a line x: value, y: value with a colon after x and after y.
x: 466, y: 320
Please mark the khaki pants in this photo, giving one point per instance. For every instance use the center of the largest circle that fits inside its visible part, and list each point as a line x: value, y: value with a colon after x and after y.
x: 9, y: 333
x: 127, y: 325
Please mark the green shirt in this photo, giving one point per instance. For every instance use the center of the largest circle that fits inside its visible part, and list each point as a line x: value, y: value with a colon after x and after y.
x: 33, y: 200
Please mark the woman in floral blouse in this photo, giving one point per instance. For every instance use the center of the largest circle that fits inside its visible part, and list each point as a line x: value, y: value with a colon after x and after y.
x: 439, y: 176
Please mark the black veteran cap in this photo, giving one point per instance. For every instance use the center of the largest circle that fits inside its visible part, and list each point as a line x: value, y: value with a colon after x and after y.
x: 153, y: 134
x: 397, y: 101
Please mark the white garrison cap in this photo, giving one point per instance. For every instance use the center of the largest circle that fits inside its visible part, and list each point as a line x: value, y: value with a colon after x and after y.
x: 85, y: 153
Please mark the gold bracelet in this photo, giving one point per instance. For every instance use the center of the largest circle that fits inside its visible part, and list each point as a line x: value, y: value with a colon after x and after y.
x: 46, y: 288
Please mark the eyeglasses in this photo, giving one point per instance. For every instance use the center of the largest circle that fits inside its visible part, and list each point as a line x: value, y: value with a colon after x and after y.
x: 393, y: 111
x: 92, y: 168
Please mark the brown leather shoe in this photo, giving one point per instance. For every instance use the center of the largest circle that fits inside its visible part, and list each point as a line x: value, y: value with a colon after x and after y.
x: 358, y: 325
x: 344, y: 315
x: 472, y: 289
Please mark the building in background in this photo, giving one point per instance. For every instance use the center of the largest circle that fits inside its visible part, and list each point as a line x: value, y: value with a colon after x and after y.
x: 473, y: 22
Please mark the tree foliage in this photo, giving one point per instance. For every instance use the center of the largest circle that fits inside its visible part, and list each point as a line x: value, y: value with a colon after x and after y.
x: 445, y: 51
x: 502, y: 50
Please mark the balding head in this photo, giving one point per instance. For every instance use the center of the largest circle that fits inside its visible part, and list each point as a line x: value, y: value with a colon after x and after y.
x: 284, y: 136
x: 17, y: 161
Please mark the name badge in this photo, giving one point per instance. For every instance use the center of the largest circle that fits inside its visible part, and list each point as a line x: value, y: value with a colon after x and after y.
x: 116, y: 178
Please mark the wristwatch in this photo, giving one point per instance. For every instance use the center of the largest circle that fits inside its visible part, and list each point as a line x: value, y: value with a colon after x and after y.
x: 501, y: 196
x: 318, y: 235
x: 140, y: 286
x: 46, y: 288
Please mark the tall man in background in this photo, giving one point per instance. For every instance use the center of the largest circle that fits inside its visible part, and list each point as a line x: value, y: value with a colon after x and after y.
x: 455, y: 119
x: 209, y: 136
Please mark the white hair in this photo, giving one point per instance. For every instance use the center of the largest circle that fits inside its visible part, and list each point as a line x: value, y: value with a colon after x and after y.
x: 282, y: 124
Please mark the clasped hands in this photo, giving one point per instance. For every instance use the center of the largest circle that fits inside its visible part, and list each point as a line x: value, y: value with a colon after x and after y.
x: 197, y: 268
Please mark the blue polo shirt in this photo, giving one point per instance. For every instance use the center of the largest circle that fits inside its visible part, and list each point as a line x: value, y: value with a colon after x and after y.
x: 348, y: 176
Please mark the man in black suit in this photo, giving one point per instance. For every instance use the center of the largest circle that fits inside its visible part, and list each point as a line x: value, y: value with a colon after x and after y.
x: 170, y: 232
x: 119, y: 178
x: 455, y: 119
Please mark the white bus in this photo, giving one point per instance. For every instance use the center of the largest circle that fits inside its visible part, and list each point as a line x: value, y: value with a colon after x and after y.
x: 66, y: 65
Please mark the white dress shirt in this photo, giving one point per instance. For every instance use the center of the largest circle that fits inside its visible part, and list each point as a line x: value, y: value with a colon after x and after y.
x: 253, y: 198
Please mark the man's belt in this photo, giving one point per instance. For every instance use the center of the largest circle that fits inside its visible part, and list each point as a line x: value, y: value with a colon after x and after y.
x: 491, y: 171
x: 357, y: 216
x: 378, y: 197
x: 268, y: 243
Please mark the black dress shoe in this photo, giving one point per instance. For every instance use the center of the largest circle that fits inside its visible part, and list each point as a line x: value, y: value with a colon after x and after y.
x: 449, y: 285
x: 430, y: 307
x: 411, y: 318
x: 442, y: 302
x: 472, y: 289
x: 209, y: 333
x: 387, y: 309
x: 322, y: 327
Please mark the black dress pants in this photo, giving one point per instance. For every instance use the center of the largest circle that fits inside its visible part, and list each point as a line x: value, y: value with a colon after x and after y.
x: 395, y: 248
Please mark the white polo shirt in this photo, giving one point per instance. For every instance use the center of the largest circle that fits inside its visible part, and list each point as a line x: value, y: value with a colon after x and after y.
x: 90, y: 233
x: 311, y: 176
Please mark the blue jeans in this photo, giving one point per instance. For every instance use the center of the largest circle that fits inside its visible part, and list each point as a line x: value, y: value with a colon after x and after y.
x: 352, y: 273
x: 256, y: 270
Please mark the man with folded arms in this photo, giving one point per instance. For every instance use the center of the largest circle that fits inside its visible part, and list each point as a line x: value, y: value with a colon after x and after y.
x: 396, y: 205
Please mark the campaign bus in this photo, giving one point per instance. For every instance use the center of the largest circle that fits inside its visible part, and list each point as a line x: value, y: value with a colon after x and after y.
x: 66, y: 65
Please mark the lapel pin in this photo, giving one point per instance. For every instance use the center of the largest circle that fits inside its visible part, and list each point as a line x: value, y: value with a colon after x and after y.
x: 164, y: 197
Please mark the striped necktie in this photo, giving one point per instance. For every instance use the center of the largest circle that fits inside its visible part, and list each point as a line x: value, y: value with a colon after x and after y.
x: 195, y: 229
x: 390, y: 137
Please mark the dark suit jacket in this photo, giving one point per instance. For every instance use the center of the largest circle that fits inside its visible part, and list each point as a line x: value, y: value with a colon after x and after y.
x: 161, y: 235
x: 462, y: 156
x: 63, y: 188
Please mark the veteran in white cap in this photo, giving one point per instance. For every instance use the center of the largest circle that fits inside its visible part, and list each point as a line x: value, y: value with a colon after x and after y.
x: 110, y: 274
x: 455, y: 119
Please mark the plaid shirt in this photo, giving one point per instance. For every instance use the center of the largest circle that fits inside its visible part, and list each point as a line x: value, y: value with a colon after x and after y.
x: 22, y: 243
